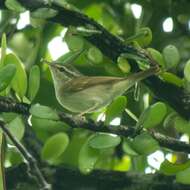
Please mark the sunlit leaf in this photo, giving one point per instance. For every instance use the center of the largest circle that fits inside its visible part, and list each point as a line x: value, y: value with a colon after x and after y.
x: 19, y: 83
x: 3, y: 49
x: 7, y: 73
x: 104, y: 140
x: 123, y: 164
x: 169, y: 168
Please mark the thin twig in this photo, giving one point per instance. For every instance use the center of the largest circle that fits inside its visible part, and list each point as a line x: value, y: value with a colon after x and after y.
x: 32, y: 163
x: 126, y: 131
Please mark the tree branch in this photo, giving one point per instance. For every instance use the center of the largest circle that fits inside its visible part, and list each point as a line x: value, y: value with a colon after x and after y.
x: 164, y: 141
x: 32, y: 162
x: 72, y: 179
x: 9, y: 105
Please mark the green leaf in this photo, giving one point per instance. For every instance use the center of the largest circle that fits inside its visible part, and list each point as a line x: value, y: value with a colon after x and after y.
x: 2, y: 175
x: 172, y: 78
x: 54, y: 147
x: 104, y: 140
x: 115, y: 109
x: 140, y: 163
x: 64, y: 4
x: 44, y: 112
x: 75, y: 43
x: 144, y: 144
x: 85, y: 32
x: 69, y: 57
x: 157, y: 56
x: 44, y: 13
x: 181, y: 125
x: 169, y: 168
x: 7, y: 74
x: 34, y: 82
x: 183, y: 176
x: 187, y: 71
x: 112, y: 69
x: 19, y: 83
x: 13, y: 156
x: 3, y: 49
x: 171, y: 56
x: 48, y: 125
x: 144, y: 36
x: 88, y: 157
x: 71, y: 155
x: 8, y: 116
x: 123, y: 64
x: 153, y: 115
x: 127, y: 148
x: 169, y: 120
x: 14, y: 5
x: 95, y: 55
x: 17, y: 128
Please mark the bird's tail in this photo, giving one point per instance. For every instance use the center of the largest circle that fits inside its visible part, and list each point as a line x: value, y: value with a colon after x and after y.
x: 136, y: 77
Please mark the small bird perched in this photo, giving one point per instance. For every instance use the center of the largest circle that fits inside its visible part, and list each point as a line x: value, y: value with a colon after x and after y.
x: 85, y: 94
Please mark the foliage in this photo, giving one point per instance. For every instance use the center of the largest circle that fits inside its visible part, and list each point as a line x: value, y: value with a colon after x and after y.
x: 26, y: 78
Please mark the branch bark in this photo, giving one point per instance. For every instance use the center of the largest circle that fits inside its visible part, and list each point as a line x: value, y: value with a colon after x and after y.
x: 125, y: 131
x: 33, y: 168
x: 68, y: 178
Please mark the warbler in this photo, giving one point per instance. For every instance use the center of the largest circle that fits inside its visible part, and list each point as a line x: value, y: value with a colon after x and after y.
x: 85, y: 94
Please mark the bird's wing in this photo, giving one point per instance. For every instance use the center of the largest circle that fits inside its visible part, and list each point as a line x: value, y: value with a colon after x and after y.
x: 83, y: 82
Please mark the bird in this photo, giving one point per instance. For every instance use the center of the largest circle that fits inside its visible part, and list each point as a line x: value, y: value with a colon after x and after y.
x: 82, y: 94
